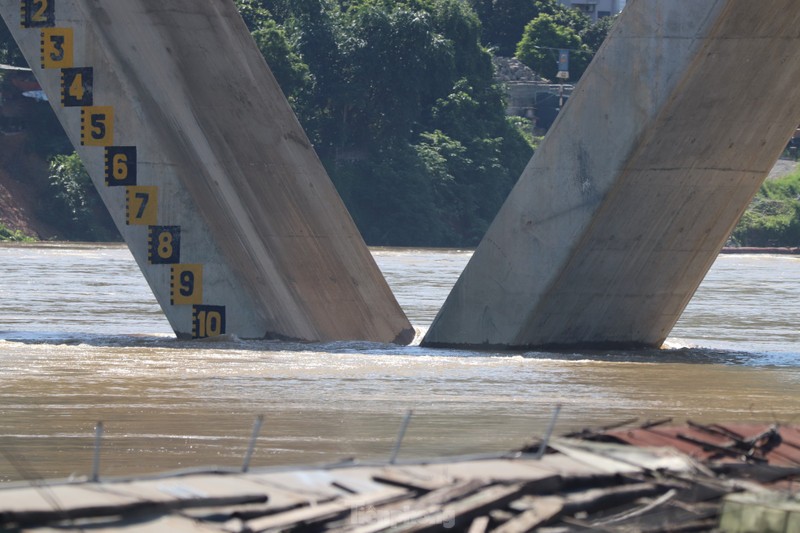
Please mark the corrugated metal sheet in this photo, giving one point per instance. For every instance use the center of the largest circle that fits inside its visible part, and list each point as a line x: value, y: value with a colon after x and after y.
x: 726, y: 443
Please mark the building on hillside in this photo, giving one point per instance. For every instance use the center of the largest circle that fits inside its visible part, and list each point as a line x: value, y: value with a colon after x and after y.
x: 596, y: 9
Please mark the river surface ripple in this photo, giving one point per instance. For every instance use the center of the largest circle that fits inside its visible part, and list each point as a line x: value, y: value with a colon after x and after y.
x: 82, y: 339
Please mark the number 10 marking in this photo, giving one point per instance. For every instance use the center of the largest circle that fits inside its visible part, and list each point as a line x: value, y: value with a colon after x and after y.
x: 208, y: 321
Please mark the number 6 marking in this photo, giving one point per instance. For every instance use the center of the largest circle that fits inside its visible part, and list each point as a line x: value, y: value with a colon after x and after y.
x: 120, y: 168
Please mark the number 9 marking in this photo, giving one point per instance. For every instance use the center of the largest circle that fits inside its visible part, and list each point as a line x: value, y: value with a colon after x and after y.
x: 187, y: 285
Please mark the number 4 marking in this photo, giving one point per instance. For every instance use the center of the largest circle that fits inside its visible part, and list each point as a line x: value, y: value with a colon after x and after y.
x: 76, y: 91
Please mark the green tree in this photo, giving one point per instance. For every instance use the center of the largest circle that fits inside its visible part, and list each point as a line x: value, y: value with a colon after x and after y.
x: 542, y: 39
x: 595, y: 34
x: 504, y: 20
x: 75, y: 206
x: 9, y: 51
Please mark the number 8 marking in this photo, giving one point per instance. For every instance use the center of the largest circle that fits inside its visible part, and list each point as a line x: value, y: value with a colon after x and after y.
x: 164, y: 244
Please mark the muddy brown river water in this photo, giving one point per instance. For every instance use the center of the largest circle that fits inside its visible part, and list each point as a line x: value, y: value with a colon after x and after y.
x: 82, y: 340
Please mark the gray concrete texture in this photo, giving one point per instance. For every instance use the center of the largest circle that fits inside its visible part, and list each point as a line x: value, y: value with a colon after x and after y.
x: 227, y: 161
x: 626, y: 204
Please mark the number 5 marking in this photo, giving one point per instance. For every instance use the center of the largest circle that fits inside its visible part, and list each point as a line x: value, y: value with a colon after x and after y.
x: 141, y: 206
x: 57, y: 48
x: 187, y: 284
x: 97, y: 126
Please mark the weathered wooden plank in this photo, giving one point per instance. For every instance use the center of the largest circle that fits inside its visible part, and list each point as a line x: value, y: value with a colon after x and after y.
x: 539, y: 511
x: 330, y: 511
x: 479, y: 525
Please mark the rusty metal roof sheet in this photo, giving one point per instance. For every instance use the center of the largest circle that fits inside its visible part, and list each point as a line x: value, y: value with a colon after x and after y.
x: 725, y: 443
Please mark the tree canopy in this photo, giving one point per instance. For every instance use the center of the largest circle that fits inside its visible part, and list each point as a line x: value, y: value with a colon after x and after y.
x: 400, y: 101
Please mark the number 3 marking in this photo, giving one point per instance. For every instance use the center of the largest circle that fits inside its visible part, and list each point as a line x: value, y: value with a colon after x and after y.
x: 57, y: 48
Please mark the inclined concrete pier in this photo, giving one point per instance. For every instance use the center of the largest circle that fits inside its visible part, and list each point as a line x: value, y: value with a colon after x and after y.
x: 205, y: 169
x: 626, y: 204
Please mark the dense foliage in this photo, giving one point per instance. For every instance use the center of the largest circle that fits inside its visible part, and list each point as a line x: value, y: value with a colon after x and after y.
x: 773, y: 217
x: 400, y: 100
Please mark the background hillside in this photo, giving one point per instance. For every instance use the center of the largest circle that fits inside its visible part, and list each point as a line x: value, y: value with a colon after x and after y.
x: 400, y: 99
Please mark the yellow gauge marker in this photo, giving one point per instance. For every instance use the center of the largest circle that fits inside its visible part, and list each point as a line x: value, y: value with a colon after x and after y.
x: 97, y: 126
x: 37, y: 13
x: 77, y: 87
x: 120, y: 167
x: 141, y: 206
x: 164, y: 245
x: 186, y: 284
x: 208, y: 321
x: 57, y: 48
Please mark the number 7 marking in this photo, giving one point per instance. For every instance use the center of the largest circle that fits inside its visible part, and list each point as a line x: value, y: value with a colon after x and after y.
x: 141, y: 206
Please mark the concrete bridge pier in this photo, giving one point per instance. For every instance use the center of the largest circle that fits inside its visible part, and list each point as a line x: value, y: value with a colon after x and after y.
x: 206, y: 171
x: 626, y: 204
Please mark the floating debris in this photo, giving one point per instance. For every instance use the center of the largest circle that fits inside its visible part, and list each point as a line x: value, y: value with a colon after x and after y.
x: 654, y: 477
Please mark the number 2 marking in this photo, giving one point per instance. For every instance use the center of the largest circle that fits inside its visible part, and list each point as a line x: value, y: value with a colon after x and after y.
x: 41, y: 13
x: 37, y: 13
